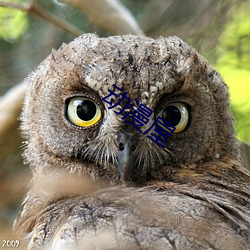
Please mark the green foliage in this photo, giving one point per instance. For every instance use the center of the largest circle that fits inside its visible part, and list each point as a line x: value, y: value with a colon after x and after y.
x: 236, y: 35
x: 234, y: 65
x: 13, y: 23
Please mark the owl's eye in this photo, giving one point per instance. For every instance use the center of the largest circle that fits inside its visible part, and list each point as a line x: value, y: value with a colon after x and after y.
x: 83, y: 112
x: 177, y: 115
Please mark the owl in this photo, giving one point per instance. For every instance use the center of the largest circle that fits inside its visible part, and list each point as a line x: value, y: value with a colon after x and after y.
x: 131, y: 145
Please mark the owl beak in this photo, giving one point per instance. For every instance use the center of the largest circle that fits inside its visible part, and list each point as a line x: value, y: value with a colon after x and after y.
x: 127, y: 144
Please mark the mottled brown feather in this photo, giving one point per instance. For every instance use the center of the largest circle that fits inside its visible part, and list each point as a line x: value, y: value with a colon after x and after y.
x: 192, y: 194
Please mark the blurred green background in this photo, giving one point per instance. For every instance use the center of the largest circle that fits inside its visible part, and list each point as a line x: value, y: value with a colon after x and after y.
x: 219, y: 30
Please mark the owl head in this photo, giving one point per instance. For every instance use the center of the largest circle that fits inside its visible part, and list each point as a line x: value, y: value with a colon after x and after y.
x: 125, y: 108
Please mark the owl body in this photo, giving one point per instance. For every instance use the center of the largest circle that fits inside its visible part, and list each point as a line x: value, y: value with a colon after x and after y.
x: 106, y: 172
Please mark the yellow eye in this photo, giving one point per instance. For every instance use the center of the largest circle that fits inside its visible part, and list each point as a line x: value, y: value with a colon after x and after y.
x: 177, y: 115
x: 83, y: 112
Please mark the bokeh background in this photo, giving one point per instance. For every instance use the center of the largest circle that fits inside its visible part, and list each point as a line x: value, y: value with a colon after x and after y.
x: 218, y: 29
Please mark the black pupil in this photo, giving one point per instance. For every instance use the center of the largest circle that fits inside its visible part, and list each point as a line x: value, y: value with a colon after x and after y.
x: 86, y: 110
x: 172, y: 115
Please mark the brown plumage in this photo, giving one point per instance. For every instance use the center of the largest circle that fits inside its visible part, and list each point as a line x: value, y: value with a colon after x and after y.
x: 98, y: 183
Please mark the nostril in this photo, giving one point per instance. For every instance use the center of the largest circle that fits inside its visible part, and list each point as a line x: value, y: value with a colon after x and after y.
x: 121, y: 146
x: 133, y: 148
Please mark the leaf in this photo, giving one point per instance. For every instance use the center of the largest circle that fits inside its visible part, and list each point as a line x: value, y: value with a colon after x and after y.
x: 13, y: 23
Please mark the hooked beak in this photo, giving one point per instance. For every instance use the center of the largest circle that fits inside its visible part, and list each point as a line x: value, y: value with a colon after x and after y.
x: 127, y: 143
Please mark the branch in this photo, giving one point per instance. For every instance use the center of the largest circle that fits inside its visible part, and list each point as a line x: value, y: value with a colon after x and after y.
x: 14, y: 5
x: 110, y: 15
x: 10, y: 108
x: 36, y: 10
